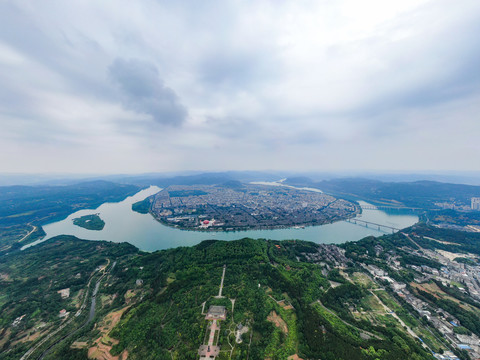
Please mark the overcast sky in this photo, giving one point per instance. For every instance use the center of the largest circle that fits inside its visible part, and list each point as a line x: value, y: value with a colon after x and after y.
x: 141, y: 86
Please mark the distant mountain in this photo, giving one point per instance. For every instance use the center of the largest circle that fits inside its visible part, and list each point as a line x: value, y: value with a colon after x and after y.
x: 416, y: 194
x: 466, y: 178
x: 38, y: 205
x: 209, y: 178
x: 299, y: 181
x: 232, y: 184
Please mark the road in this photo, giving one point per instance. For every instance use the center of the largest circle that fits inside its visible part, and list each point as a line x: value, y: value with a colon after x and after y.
x: 50, y: 335
x: 68, y: 322
x: 391, y: 312
x: 413, y: 241
x: 91, y: 315
x: 347, y: 323
x: 23, y: 238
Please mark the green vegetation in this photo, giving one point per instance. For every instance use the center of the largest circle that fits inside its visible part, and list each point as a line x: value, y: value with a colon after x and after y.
x: 469, y: 319
x: 197, y: 270
x: 421, y: 194
x: 292, y: 297
x: 461, y: 330
x: 408, y: 259
x: 450, y: 240
x: 295, y: 297
x: 466, y: 261
x: 287, y: 305
x: 32, y: 279
x: 18, y: 235
x: 334, y: 275
x: 90, y: 222
x: 143, y: 206
x: 454, y: 217
x: 23, y: 207
x: 38, y: 205
x: 283, y: 343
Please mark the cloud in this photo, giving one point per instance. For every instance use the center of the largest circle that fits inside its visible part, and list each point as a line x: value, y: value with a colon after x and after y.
x: 144, y: 92
x: 245, y: 84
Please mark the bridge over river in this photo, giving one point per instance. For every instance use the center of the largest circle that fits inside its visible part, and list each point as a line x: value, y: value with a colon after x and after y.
x: 381, y: 207
x: 380, y: 227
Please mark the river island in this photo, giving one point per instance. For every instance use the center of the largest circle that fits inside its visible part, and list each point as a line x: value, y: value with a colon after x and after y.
x: 90, y: 222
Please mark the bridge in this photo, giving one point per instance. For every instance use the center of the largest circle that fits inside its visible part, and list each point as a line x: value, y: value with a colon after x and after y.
x: 372, y: 225
x: 381, y: 207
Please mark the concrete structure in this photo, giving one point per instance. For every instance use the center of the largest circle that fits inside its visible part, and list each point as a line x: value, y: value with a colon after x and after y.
x: 239, y: 331
x: 475, y: 203
x: 210, y: 351
x: 398, y: 286
x: 216, y: 313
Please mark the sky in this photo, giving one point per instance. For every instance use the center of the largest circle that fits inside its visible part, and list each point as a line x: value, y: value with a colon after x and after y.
x: 151, y: 86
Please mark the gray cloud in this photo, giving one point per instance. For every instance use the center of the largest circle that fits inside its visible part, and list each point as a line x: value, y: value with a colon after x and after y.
x: 144, y: 92
x: 369, y: 83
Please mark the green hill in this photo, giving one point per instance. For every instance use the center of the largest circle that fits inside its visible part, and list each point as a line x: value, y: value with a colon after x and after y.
x: 150, y: 304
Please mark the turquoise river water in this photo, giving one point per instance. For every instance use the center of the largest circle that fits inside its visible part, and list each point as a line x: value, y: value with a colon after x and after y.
x: 142, y: 230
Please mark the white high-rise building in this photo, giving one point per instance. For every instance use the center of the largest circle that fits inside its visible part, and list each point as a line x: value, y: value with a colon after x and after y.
x: 476, y: 203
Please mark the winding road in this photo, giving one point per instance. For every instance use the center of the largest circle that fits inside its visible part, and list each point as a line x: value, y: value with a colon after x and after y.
x: 77, y: 314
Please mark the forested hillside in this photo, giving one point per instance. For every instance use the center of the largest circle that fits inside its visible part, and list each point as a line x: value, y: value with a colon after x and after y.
x: 23, y: 209
x: 151, y: 304
x: 423, y: 194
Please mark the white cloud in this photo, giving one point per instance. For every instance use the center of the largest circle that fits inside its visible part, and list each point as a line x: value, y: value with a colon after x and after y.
x: 267, y: 84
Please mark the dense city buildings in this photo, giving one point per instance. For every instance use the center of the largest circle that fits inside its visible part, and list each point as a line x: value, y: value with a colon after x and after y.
x: 247, y: 207
x: 475, y: 203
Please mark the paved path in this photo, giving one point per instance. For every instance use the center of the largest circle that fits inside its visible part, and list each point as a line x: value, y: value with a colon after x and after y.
x: 233, y: 306
x: 221, y: 283
x: 211, y: 350
x: 213, y: 328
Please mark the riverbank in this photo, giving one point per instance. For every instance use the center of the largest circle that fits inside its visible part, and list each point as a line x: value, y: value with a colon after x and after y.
x: 214, y: 229
x: 143, y: 231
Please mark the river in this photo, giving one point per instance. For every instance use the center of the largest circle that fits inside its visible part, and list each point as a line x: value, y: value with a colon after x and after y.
x: 142, y: 230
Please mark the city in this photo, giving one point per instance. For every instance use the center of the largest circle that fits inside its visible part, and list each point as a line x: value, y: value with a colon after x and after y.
x: 247, y: 207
